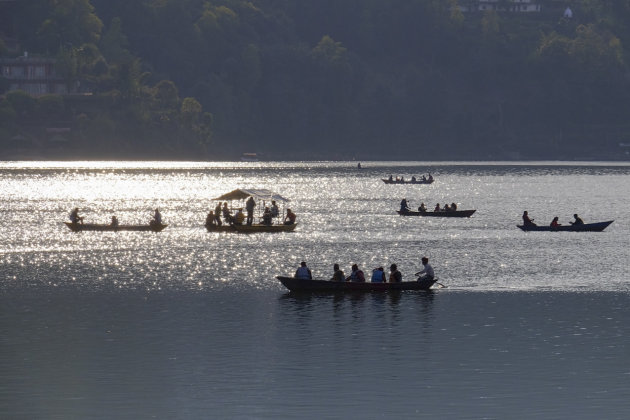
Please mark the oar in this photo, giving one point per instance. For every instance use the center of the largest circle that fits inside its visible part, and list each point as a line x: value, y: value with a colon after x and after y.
x: 435, y: 280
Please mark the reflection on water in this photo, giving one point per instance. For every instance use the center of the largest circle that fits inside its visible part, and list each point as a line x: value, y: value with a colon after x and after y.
x: 191, y: 324
x: 344, y: 216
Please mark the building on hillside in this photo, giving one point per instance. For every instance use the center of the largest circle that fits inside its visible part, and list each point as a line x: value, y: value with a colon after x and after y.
x: 515, y: 6
x: 34, y: 75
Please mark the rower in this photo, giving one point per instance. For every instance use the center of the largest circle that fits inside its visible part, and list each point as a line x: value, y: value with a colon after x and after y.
x: 157, y: 217
x: 577, y: 221
x: 427, y: 273
x: 74, y: 216
x: 526, y: 220
x: 303, y: 272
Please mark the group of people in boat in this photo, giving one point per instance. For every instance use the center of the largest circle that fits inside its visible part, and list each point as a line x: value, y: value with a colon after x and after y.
x: 424, y: 178
x: 214, y: 218
x: 404, y: 207
x: 378, y: 273
x: 75, y: 218
x: 528, y: 221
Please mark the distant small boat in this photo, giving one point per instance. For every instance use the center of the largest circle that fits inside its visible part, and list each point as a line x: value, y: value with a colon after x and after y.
x: 249, y: 157
x: 80, y: 227
x: 327, y: 286
x: 587, y: 227
x: 417, y: 181
x: 449, y: 213
x: 254, y: 228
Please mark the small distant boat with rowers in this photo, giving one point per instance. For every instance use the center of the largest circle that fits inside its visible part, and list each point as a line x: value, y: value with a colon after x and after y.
x: 328, y: 286
x: 96, y: 227
x: 413, y: 180
x: 447, y: 213
x: 586, y: 227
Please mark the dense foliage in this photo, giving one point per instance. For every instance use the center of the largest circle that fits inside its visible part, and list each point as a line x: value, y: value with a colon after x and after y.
x: 335, y: 79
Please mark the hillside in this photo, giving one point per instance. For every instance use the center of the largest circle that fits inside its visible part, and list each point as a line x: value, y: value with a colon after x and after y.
x: 332, y: 79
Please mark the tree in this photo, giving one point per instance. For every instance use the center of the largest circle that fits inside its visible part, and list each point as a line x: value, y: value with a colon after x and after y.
x: 23, y: 103
x: 166, y: 94
x: 70, y: 22
x: 190, y: 111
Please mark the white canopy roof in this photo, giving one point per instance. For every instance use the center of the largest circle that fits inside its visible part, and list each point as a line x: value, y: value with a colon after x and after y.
x: 258, y: 194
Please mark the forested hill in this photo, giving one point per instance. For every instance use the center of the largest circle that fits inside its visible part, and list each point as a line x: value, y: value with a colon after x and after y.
x: 335, y: 79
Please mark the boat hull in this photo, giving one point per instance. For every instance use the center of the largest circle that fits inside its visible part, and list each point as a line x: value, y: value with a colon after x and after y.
x: 387, y: 181
x: 327, y: 286
x: 456, y: 213
x: 94, y: 227
x: 255, y: 228
x: 587, y: 227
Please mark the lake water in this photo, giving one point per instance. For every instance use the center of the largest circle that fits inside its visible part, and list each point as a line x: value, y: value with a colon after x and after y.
x: 190, y: 324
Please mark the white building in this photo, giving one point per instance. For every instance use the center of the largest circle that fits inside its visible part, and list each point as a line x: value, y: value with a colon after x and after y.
x: 35, y: 76
x: 516, y: 6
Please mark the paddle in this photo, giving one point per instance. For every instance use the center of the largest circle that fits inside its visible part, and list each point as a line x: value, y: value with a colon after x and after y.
x: 442, y: 286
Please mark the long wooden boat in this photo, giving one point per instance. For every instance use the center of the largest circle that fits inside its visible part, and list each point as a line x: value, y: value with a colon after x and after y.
x: 254, y: 228
x: 450, y: 213
x: 587, y: 227
x: 417, y: 181
x: 315, y: 285
x: 80, y: 227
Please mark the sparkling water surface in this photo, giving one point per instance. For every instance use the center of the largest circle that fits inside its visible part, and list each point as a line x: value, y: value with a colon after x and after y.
x: 191, y: 324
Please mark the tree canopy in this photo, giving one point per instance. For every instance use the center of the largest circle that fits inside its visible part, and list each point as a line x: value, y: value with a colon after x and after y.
x: 342, y: 78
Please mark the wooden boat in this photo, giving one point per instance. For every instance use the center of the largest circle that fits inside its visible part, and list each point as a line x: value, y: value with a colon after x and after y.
x: 450, y: 213
x: 417, y: 181
x: 254, y: 228
x: 301, y: 285
x: 587, y: 227
x: 262, y: 196
x: 80, y: 227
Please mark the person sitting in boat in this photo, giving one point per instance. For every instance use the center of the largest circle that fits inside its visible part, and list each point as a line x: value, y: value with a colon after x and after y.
x: 289, y: 219
x: 74, y: 216
x: 217, y: 214
x: 211, y: 220
x: 437, y: 207
x: 527, y: 221
x: 402, y: 178
x: 391, y: 178
x: 274, y: 209
x: 395, y: 276
x: 378, y: 275
x: 413, y: 179
x: 554, y: 223
x: 239, y: 217
x: 453, y: 207
x: 356, y: 275
x: 157, y: 218
x: 422, y: 208
x: 338, y: 274
x: 266, y: 218
x: 446, y: 207
x: 577, y: 221
x: 430, y: 177
x: 424, y: 178
x: 303, y: 272
x: 427, y: 272
x: 403, y: 205
x: 227, y: 215
x: 114, y: 222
